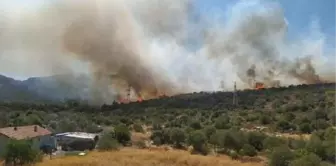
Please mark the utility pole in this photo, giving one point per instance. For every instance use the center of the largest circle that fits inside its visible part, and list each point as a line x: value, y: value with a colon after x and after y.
x: 128, y: 93
x: 235, y: 97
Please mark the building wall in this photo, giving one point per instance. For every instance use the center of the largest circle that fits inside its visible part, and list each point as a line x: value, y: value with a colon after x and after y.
x: 45, y: 140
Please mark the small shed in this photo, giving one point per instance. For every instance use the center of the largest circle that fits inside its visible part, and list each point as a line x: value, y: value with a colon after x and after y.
x: 77, y: 140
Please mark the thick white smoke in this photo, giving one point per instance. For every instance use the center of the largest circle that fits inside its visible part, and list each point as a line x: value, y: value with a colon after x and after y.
x: 160, y: 46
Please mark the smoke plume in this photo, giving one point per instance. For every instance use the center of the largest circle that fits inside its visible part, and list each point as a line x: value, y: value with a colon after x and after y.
x: 159, y: 47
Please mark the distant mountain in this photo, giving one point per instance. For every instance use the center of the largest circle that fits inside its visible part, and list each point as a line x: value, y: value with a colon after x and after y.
x: 52, y: 88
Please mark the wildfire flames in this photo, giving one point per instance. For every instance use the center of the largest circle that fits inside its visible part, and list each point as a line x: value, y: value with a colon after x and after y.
x: 259, y: 85
x: 140, y: 99
x: 125, y: 100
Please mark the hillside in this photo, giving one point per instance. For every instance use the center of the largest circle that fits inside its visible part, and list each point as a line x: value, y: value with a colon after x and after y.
x: 44, y: 89
x: 296, y: 104
x: 299, y: 119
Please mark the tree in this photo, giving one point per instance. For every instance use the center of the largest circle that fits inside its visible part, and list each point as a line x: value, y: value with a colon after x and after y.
x: 305, y: 128
x: 222, y: 122
x: 281, y: 156
x: 196, y: 125
x: 107, y: 142
x: 264, y: 120
x: 256, y: 140
x: 209, y: 130
x: 178, y: 136
x: 248, y: 150
x: 21, y: 152
x: 122, y: 134
x: 233, y: 140
x: 198, y: 140
x: 315, y: 145
x: 138, y: 128
x: 283, y: 125
x: 271, y: 142
x: 329, y: 150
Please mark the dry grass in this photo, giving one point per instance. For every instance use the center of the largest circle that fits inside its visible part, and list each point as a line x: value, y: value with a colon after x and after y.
x: 138, y: 157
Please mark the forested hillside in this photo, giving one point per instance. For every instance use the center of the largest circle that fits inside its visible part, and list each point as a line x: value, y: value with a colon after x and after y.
x: 205, y: 120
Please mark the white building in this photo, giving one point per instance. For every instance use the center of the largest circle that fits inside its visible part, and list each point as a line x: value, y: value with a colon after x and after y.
x: 71, y: 136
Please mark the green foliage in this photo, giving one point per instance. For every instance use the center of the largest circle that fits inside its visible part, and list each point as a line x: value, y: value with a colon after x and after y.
x: 305, y: 128
x: 281, y: 156
x: 233, y: 155
x: 298, y: 109
x: 21, y: 152
x: 315, y: 145
x: 248, y: 150
x: 329, y: 150
x: 196, y: 125
x: 256, y: 139
x: 284, y: 125
x: 198, y: 140
x: 107, y: 142
x: 271, y: 142
x: 209, y: 131
x: 122, y: 134
x: 138, y: 128
x: 233, y: 140
x: 265, y: 120
x: 222, y: 122
x: 178, y: 137
x: 308, y: 160
x: 332, y: 117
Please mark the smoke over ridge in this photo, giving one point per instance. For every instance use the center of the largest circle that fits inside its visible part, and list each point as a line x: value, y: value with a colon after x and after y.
x: 160, y: 46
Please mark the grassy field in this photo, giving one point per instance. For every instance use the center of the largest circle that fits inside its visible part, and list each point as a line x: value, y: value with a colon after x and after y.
x: 145, y: 157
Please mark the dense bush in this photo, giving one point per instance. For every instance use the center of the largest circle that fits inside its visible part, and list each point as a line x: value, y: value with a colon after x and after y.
x: 198, y: 140
x: 107, y: 142
x: 21, y: 152
x: 122, y: 134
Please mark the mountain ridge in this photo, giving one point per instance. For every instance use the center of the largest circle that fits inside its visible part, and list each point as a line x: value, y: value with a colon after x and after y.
x: 48, y: 88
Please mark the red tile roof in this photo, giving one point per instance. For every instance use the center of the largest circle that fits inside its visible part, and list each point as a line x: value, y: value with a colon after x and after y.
x: 24, y: 132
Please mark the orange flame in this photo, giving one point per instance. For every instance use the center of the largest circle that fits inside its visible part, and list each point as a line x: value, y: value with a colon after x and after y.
x: 140, y: 99
x: 122, y: 101
x: 259, y: 85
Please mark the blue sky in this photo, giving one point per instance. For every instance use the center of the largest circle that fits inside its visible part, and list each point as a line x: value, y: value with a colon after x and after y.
x: 299, y: 14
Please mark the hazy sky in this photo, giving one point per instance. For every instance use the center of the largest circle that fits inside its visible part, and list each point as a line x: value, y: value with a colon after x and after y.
x: 299, y: 14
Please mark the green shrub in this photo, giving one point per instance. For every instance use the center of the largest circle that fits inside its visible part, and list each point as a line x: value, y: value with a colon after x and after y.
x: 248, y: 150
x: 21, y: 152
x: 138, y: 128
x: 107, y: 142
x: 198, y: 140
x: 308, y: 160
x: 281, y: 156
x: 122, y: 134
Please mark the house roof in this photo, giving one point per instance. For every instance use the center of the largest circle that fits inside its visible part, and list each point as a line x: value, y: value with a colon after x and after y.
x: 24, y: 132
